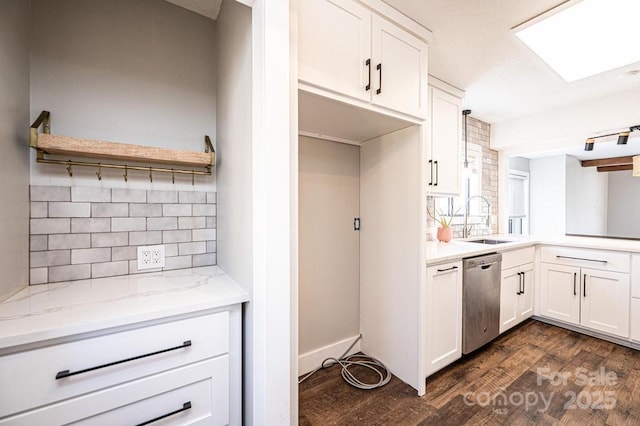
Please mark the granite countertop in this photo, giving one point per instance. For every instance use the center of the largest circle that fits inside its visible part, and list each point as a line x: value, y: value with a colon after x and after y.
x: 438, y: 252
x: 50, y: 311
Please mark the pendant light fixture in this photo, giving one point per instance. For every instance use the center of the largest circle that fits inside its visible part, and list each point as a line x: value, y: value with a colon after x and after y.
x: 623, y: 137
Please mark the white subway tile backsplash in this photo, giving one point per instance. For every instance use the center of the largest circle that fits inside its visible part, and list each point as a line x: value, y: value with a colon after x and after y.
x: 50, y: 193
x: 204, y: 210
x: 109, y: 269
x: 125, y: 253
x: 39, y: 209
x: 192, y: 222
x: 69, y: 273
x: 50, y: 226
x: 203, y: 234
x: 145, y: 210
x: 187, y: 197
x: 162, y: 223
x: 192, y: 248
x: 119, y: 195
x: 90, y: 194
x: 67, y: 209
x: 176, y: 209
x: 85, y: 232
x: 206, y: 259
x: 90, y: 225
x: 69, y: 241
x: 91, y: 255
x: 38, y: 242
x: 110, y: 239
x: 178, y: 262
x: 38, y: 275
x: 49, y: 258
x: 164, y: 197
x: 144, y: 238
x: 119, y: 224
x: 176, y: 236
x: 109, y: 210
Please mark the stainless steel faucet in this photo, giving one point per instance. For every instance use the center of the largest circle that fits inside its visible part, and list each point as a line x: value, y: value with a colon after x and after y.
x: 465, y: 229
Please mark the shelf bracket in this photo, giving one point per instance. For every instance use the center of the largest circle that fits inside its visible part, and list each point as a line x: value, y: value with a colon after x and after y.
x: 44, y: 120
x: 208, y: 147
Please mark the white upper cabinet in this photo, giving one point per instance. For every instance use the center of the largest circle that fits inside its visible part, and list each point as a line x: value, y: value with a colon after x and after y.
x: 334, y: 45
x: 444, y: 166
x: 346, y: 49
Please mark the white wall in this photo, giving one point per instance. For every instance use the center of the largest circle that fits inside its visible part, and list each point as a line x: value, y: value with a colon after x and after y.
x: 14, y: 145
x: 587, y: 191
x: 234, y: 165
x: 547, y: 195
x: 329, y: 199
x: 139, y: 72
x: 624, y: 205
x: 519, y: 163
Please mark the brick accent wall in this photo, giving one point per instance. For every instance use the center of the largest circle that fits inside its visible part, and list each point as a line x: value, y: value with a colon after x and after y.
x: 479, y: 133
x: 79, y: 232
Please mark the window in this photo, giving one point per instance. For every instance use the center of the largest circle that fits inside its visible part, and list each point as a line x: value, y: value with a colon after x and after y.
x: 518, y: 193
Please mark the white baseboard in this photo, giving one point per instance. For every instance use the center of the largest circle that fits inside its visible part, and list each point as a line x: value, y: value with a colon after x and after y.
x: 311, y: 360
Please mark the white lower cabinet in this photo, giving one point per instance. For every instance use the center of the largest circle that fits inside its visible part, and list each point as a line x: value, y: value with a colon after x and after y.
x: 635, y: 320
x: 516, y: 296
x: 591, y: 298
x: 444, y: 315
x: 175, y: 371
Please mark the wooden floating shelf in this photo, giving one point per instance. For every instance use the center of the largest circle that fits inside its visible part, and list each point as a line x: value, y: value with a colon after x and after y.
x: 87, y: 148
x: 46, y: 143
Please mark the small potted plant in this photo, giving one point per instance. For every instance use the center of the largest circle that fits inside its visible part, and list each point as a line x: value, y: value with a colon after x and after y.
x: 445, y: 233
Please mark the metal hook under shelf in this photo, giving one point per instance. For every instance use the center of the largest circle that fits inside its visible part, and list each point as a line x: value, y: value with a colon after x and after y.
x: 69, y: 169
x: 99, y: 172
x: 126, y: 178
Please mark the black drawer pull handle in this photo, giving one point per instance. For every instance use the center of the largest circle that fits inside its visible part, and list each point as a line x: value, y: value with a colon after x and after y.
x: 575, y: 274
x: 186, y: 406
x: 584, y: 259
x: 523, y: 278
x: 453, y: 268
x: 519, y: 292
x: 431, y: 165
x: 66, y: 373
x: 379, y: 68
x: 584, y: 285
x: 437, y: 173
x: 368, y: 64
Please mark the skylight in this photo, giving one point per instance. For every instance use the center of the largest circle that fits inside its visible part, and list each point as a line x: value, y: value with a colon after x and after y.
x: 582, y: 38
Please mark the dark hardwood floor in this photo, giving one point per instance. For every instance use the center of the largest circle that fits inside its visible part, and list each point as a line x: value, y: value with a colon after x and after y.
x: 535, y: 374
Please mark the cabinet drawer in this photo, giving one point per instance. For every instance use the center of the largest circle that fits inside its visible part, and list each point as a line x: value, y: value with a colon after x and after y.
x: 203, y: 387
x: 635, y: 275
x: 32, y: 374
x: 518, y: 257
x: 586, y: 258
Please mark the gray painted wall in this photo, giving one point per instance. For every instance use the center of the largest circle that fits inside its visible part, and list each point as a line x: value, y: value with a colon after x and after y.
x: 14, y: 150
x: 547, y: 195
x: 519, y: 163
x: 138, y: 72
x: 623, y: 205
x: 586, y: 199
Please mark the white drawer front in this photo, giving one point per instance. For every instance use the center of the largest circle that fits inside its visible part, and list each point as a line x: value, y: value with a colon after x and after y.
x: 635, y: 275
x: 31, y: 375
x: 586, y: 258
x: 518, y: 257
x: 204, y: 386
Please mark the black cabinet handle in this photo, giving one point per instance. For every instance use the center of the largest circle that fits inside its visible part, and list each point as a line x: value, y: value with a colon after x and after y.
x: 186, y: 406
x: 453, y: 268
x: 368, y: 63
x: 66, y: 373
x: 519, y: 283
x: 584, y: 285
x: 437, y: 173
x: 523, y: 279
x: 379, y: 68
x: 575, y: 276
x: 431, y: 165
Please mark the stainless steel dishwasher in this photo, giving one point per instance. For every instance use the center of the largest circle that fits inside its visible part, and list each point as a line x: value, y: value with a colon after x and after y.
x: 480, y: 301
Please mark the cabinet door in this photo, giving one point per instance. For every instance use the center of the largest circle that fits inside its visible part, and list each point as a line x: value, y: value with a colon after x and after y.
x: 334, y: 43
x: 605, y: 301
x: 635, y: 320
x: 445, y: 143
x: 560, y: 292
x: 399, y: 69
x: 509, y: 298
x: 525, y: 300
x: 444, y: 315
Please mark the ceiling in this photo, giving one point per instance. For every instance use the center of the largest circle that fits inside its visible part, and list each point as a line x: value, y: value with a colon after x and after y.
x: 474, y: 49
x: 208, y: 8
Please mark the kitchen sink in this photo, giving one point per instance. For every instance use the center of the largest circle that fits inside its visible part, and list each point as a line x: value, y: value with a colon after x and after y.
x: 488, y: 241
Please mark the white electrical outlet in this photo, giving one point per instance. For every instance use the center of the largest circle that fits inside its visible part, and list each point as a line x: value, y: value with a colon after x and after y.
x: 150, y: 257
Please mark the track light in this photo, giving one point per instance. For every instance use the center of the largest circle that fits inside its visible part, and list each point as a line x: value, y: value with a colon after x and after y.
x: 588, y: 146
x: 623, y: 137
